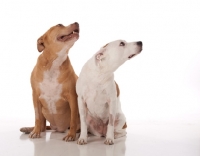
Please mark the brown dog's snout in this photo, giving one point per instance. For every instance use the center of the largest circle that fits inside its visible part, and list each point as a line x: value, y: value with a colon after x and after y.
x: 139, y: 43
x: 76, y: 23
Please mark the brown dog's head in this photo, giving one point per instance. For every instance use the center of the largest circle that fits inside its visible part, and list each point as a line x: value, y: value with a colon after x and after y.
x: 58, y: 37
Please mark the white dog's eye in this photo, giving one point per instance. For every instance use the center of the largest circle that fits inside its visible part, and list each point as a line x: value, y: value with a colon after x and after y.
x: 122, y: 44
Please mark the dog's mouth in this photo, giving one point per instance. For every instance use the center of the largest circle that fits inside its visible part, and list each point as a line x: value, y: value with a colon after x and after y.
x: 64, y: 38
x: 131, y: 56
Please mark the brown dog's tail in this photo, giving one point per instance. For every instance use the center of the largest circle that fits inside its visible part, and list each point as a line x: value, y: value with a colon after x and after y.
x: 28, y: 130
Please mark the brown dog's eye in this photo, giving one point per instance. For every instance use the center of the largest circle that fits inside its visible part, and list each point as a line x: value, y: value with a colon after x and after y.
x: 122, y: 44
x: 60, y: 25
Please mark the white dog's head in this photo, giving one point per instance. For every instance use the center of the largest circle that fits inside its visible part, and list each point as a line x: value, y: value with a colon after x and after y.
x: 115, y: 53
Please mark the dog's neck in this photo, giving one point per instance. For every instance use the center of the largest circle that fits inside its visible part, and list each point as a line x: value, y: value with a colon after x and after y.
x: 98, y: 74
x: 49, y: 58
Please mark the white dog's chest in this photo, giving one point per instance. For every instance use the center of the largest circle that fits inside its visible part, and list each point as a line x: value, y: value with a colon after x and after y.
x: 97, y: 103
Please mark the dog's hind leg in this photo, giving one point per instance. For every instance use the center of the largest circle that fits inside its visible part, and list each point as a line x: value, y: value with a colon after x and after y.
x: 120, y: 126
x: 120, y: 133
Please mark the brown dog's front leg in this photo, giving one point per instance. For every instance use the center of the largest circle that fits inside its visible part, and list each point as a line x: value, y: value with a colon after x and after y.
x: 40, y: 121
x: 74, y: 121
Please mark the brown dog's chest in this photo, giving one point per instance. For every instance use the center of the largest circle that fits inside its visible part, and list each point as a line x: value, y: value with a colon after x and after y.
x: 50, y: 89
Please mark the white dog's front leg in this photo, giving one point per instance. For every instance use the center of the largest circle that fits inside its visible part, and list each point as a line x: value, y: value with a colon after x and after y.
x: 82, y: 111
x: 110, y: 128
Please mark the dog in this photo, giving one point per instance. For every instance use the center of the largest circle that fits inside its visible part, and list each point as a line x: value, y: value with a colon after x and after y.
x: 53, y: 82
x: 98, y: 93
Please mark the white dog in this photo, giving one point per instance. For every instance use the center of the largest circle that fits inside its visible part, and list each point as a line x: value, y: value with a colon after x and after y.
x: 98, y: 93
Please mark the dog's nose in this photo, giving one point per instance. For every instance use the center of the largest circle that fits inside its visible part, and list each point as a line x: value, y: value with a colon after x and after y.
x: 76, y: 23
x: 139, y: 43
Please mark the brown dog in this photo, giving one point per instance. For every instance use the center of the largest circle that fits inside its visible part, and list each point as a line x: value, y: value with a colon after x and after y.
x: 53, y: 82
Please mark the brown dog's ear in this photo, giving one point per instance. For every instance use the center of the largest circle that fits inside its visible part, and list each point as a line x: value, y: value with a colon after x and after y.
x: 105, y: 45
x: 40, y: 44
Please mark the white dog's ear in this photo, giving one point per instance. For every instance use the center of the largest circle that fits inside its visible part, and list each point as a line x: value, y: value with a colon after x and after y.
x: 40, y: 44
x: 100, y: 54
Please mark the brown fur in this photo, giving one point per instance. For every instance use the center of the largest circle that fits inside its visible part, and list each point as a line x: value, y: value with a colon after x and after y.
x: 66, y: 106
x: 118, y: 93
x: 117, y: 88
x: 125, y: 126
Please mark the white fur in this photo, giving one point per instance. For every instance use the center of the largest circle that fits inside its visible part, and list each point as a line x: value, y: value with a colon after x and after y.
x: 50, y: 88
x: 99, y: 106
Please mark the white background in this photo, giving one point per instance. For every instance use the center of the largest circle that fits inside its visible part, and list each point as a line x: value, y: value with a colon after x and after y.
x: 161, y: 85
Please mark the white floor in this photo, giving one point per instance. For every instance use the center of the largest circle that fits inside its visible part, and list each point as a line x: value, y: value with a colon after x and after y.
x: 141, y: 140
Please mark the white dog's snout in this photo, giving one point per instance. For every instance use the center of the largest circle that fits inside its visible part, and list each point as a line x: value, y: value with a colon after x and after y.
x: 139, y: 43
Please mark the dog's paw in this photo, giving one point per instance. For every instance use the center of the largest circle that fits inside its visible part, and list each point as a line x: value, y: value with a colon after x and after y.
x: 82, y: 141
x: 69, y: 138
x: 34, y: 134
x: 109, y: 141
